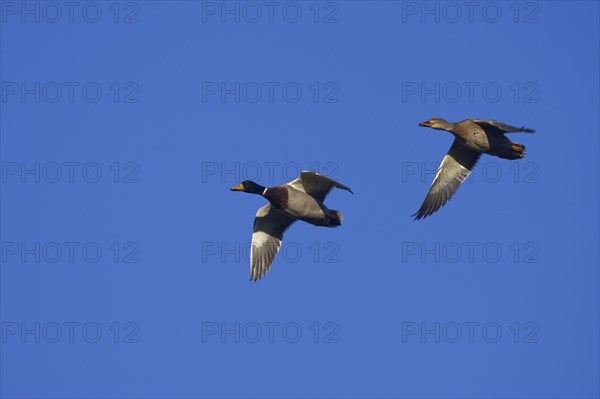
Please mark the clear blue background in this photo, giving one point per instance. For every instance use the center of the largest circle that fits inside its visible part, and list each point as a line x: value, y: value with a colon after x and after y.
x: 370, y: 135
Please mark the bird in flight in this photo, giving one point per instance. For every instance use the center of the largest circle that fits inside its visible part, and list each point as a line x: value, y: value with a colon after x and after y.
x: 472, y: 137
x: 300, y: 199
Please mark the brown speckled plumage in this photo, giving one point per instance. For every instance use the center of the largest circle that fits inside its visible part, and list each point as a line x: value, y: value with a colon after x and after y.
x: 473, y: 137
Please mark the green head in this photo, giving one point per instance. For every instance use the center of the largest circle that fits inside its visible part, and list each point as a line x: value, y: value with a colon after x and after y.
x: 249, y: 186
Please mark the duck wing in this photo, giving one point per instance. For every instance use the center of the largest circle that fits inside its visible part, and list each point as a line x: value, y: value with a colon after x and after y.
x: 269, y: 225
x: 455, y: 168
x: 316, y: 185
x: 499, y: 127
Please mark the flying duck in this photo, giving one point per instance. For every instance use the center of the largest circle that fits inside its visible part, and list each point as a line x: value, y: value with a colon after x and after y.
x: 300, y: 199
x: 472, y: 137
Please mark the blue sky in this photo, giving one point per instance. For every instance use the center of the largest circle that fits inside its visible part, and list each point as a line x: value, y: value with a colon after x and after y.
x: 124, y: 269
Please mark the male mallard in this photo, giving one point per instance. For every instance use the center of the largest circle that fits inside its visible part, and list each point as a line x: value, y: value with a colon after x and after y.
x: 300, y: 199
x: 473, y: 137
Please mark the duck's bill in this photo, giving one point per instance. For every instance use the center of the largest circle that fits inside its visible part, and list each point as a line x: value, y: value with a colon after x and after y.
x: 239, y: 187
x: 425, y: 124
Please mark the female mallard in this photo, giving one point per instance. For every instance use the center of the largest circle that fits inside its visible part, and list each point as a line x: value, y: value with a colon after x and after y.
x: 300, y: 199
x: 473, y: 137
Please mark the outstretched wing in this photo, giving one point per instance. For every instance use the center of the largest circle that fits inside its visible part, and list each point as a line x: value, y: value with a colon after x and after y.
x: 316, y: 185
x: 499, y: 127
x: 455, y: 168
x: 269, y: 225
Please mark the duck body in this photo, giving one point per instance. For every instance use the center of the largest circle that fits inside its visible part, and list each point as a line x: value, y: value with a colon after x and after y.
x: 301, y: 206
x: 483, y: 136
x: 478, y: 139
x: 301, y: 199
x: 473, y: 137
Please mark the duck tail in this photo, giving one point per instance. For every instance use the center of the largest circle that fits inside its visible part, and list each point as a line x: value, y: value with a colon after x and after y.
x: 519, y: 150
x: 515, y: 151
x: 335, y: 218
